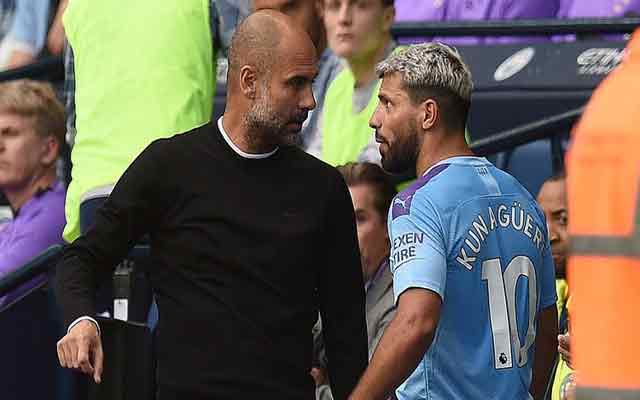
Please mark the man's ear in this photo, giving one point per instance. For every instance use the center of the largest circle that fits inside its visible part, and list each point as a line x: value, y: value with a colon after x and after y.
x: 49, y: 151
x: 249, y: 81
x: 429, y: 113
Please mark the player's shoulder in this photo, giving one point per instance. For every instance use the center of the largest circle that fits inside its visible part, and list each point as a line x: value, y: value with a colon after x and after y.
x: 419, y: 195
x: 456, y: 181
x: 176, y: 141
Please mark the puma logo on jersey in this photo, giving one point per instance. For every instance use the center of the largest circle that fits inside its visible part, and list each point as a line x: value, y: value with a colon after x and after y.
x: 402, y: 203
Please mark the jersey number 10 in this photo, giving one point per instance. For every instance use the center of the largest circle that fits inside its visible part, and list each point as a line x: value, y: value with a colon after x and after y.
x: 502, y: 309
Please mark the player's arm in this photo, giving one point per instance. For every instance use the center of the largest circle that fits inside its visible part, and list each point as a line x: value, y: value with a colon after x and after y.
x: 341, y: 293
x: 129, y: 212
x: 402, y: 346
x: 547, y: 333
x: 27, y: 35
x: 545, y: 350
x: 419, y: 278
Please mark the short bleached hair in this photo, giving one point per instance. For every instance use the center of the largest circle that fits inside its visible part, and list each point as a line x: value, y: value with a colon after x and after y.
x: 430, y: 65
x: 432, y: 69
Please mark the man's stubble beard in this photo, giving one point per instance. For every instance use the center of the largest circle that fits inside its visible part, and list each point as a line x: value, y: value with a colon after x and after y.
x: 403, y: 155
x: 265, y: 126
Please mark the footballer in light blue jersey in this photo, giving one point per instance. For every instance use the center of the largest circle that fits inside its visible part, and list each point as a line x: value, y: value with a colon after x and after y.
x: 472, y: 269
x: 472, y: 234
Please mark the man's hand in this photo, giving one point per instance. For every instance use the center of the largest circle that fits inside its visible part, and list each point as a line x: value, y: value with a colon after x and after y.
x: 81, y: 349
x: 564, y: 348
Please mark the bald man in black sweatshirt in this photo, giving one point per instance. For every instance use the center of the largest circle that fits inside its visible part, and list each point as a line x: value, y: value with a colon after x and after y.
x: 250, y: 238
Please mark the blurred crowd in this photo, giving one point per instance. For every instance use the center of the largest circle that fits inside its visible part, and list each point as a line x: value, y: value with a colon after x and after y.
x: 30, y: 30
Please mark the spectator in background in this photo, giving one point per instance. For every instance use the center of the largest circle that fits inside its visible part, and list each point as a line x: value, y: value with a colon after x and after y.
x: 359, y: 32
x: 372, y: 191
x: 553, y: 201
x: 7, y: 9
x: 412, y: 11
x: 26, y: 38
x: 230, y: 14
x: 479, y: 10
x: 56, y: 38
x: 475, y: 10
x: 308, y: 13
x: 31, y: 133
x: 570, y: 9
x: 156, y: 76
x: 600, y: 8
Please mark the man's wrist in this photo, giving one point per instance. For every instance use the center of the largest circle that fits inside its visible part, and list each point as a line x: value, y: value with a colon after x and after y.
x: 84, y: 318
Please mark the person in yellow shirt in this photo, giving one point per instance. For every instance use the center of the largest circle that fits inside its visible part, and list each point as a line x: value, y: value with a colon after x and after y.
x: 152, y: 80
x: 359, y: 32
x: 553, y: 201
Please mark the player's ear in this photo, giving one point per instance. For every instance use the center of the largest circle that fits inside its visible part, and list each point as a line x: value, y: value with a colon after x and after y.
x: 428, y: 114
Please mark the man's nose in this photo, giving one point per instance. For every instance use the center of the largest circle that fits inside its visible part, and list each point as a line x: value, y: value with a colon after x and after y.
x: 308, y: 99
x: 374, y: 121
x: 345, y: 15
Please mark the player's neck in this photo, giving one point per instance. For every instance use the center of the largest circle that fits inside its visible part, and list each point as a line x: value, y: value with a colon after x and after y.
x: 18, y: 197
x: 440, y: 147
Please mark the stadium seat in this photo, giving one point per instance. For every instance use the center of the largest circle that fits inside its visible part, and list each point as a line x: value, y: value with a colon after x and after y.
x: 530, y: 164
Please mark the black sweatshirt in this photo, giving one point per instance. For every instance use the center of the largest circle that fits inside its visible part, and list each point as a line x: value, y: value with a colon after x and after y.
x: 244, y: 254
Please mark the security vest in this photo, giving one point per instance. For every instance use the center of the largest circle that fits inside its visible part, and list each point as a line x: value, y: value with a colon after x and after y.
x: 144, y: 70
x: 603, y: 169
x: 560, y: 379
x: 345, y: 133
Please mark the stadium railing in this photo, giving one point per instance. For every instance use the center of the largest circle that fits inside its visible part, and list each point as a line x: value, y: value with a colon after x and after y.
x: 548, y: 127
x: 30, y: 326
x: 42, y: 264
x: 29, y: 329
x: 48, y: 69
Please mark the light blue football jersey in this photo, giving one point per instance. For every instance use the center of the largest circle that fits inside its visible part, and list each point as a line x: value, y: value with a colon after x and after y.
x: 472, y: 234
